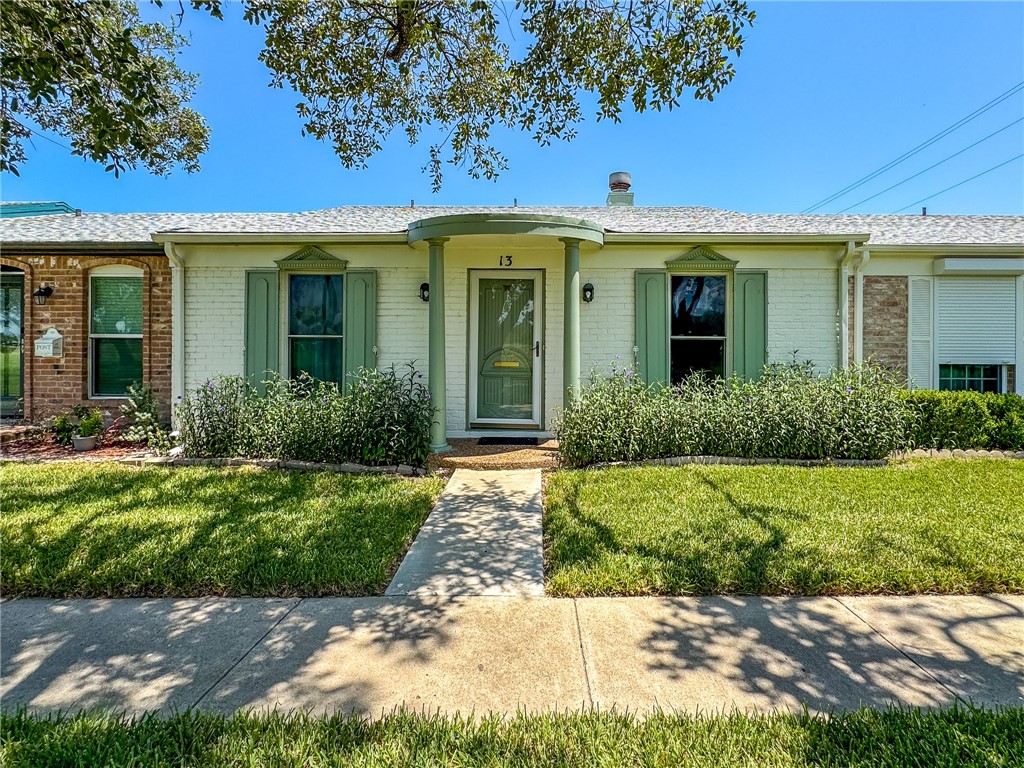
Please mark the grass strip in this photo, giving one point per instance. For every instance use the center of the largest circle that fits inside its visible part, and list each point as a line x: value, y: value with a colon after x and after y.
x: 896, y: 737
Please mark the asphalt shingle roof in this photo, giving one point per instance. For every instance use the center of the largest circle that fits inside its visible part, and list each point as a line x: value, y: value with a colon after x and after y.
x: 126, y: 228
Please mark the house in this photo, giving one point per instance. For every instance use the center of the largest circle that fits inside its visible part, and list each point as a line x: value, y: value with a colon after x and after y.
x: 506, y: 309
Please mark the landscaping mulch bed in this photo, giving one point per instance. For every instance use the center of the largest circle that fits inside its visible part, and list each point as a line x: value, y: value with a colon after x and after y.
x: 468, y: 453
x: 43, y: 448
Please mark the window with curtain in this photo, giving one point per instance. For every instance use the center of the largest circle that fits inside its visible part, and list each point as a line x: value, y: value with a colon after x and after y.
x: 115, y: 334
x: 697, y: 306
x: 315, y: 326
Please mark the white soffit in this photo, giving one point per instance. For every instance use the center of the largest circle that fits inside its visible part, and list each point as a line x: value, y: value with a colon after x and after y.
x: 976, y: 266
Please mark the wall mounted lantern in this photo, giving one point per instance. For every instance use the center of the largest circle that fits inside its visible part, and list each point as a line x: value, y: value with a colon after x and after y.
x: 588, y: 292
x: 425, y: 291
x: 42, y: 293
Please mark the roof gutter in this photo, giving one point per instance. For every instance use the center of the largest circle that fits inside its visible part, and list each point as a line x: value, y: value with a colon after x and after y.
x: 782, y: 238
x: 954, y: 249
x: 63, y: 246
x: 272, y: 238
x: 854, y: 258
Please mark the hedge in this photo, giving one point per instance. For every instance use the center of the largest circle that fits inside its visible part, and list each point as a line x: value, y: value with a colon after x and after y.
x: 789, y: 413
x: 383, y: 419
x: 967, y: 420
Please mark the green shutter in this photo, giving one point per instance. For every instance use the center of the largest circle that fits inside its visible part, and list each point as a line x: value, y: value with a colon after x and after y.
x: 652, y: 326
x: 360, y: 321
x: 262, y: 325
x: 750, y: 326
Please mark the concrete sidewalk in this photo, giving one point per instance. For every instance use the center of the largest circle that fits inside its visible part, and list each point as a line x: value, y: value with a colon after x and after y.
x: 503, y: 654
x: 484, y: 537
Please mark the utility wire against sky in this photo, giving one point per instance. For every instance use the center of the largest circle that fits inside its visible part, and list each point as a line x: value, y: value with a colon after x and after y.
x: 924, y: 145
x: 960, y: 183
x: 934, y: 165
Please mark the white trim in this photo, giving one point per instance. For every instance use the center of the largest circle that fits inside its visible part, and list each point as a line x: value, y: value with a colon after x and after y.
x: 703, y: 238
x: 250, y: 238
x: 105, y: 272
x: 116, y: 270
x: 964, y: 266
x: 473, y: 377
x: 1018, y: 363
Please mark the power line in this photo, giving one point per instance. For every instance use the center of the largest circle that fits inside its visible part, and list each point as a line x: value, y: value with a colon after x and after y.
x: 47, y: 138
x: 960, y: 183
x: 950, y: 157
x: 924, y: 145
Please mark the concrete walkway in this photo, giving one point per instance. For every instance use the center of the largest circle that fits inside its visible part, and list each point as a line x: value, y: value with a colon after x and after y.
x: 502, y: 654
x: 483, y: 537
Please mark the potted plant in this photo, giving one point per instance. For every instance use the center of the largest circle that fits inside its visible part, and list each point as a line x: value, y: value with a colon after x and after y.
x: 89, y: 430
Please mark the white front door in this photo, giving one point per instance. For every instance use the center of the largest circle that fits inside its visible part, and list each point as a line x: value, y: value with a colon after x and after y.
x: 506, y: 311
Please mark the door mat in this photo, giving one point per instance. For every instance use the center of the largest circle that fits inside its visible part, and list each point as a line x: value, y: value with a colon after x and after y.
x: 508, y: 441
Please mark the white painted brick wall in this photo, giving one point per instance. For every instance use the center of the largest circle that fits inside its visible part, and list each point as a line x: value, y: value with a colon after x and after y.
x: 214, y: 323
x: 607, y: 334
x: 401, y: 319
x: 802, y: 307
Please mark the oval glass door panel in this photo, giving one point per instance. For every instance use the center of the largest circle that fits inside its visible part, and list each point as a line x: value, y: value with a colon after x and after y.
x: 506, y: 349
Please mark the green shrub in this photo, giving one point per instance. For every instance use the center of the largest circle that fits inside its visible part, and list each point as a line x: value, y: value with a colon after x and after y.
x: 142, y: 413
x: 91, y: 424
x: 790, y: 412
x: 967, y: 420
x: 384, y: 418
x: 80, y: 421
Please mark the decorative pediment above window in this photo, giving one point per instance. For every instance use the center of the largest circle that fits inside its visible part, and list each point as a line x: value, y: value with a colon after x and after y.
x: 312, y: 258
x: 700, y: 258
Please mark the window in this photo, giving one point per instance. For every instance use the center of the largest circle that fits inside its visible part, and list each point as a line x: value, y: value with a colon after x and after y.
x: 979, y: 378
x: 697, y: 306
x: 115, y: 334
x: 315, y: 326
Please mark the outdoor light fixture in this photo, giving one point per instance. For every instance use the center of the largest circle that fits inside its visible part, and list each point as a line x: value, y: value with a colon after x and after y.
x: 42, y: 294
x: 425, y: 291
x: 588, y: 292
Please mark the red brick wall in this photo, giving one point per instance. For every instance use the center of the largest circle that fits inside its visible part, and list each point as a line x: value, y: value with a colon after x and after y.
x: 53, y: 385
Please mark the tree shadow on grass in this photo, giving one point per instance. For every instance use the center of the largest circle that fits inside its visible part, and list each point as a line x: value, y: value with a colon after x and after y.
x: 699, y: 558
x: 183, y: 532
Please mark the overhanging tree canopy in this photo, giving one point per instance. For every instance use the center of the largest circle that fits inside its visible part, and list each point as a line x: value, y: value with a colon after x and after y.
x: 364, y: 69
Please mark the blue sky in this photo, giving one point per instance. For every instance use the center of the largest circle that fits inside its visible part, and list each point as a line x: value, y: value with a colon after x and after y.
x: 825, y: 93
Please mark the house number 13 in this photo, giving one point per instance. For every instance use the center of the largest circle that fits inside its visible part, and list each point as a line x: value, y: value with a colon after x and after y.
x: 504, y: 261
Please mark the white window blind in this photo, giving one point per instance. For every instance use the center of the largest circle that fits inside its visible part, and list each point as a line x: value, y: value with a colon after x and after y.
x: 975, y: 320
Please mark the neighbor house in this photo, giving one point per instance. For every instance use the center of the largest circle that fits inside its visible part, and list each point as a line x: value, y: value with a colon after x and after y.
x: 504, y: 310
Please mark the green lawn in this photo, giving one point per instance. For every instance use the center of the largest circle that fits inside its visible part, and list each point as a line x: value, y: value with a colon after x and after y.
x: 92, y: 530
x: 897, y: 737
x: 924, y: 526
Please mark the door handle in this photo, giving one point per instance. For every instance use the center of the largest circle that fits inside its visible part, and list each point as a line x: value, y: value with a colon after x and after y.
x: 536, y: 349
